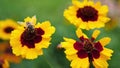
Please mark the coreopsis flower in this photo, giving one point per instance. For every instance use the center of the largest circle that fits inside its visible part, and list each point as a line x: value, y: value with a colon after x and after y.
x: 29, y: 38
x: 4, y: 63
x: 6, y: 26
x: 87, y: 14
x: 86, y: 52
x: 6, y: 53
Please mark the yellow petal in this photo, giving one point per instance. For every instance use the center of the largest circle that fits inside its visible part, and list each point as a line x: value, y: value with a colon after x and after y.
x: 32, y: 54
x: 77, y: 3
x: 68, y: 43
x: 95, y: 34
x: 16, y: 51
x: 69, y: 40
x: 103, y: 10
x: 80, y: 63
x: 70, y: 51
x: 44, y: 43
x: 30, y: 20
x: 71, y: 57
x: 104, y: 19
x: 27, y: 19
x: 99, y: 24
x: 97, y: 5
x: 106, y: 53
x: 48, y: 29
x: 104, y: 41
x: 100, y: 63
x: 83, y: 25
x: 91, y: 25
x: 79, y: 33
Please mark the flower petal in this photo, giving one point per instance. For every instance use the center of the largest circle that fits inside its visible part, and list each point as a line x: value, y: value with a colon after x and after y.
x: 71, y: 57
x: 82, y: 54
x: 95, y: 34
x: 80, y: 63
x: 30, y: 20
x: 105, y: 8
x: 77, y: 3
x: 104, y: 41
x: 70, y: 51
x: 100, y: 63
x: 107, y: 53
x: 68, y: 43
x: 98, y: 46
x: 78, y: 45
x: 46, y: 26
x: 80, y: 33
x: 95, y: 54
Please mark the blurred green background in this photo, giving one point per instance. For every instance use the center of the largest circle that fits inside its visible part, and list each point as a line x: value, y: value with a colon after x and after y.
x: 52, y: 10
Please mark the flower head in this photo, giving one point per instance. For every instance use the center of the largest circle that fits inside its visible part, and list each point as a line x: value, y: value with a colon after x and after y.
x: 87, y: 14
x: 6, y: 53
x: 29, y: 38
x: 86, y: 51
x: 6, y: 27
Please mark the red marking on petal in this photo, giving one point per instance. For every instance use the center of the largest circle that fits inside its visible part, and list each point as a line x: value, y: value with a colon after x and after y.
x: 82, y: 54
x: 98, y: 46
x: 95, y: 54
x: 39, y: 31
x: 78, y: 45
x: 82, y: 39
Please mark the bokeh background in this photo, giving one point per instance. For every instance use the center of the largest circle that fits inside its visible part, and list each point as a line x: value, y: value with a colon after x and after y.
x: 52, y: 10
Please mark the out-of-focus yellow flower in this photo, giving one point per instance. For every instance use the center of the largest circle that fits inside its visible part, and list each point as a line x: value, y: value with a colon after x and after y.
x: 6, y: 26
x: 29, y: 38
x: 6, y: 53
x: 87, y: 14
x: 87, y: 51
x: 4, y: 63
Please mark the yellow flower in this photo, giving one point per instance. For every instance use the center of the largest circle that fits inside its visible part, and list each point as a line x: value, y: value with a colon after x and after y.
x: 4, y: 63
x: 29, y: 38
x: 87, y: 14
x: 87, y: 51
x: 6, y: 27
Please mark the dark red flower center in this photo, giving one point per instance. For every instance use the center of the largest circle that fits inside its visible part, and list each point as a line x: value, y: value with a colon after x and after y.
x: 88, y: 48
x: 87, y: 13
x: 8, y: 29
x: 31, y: 36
